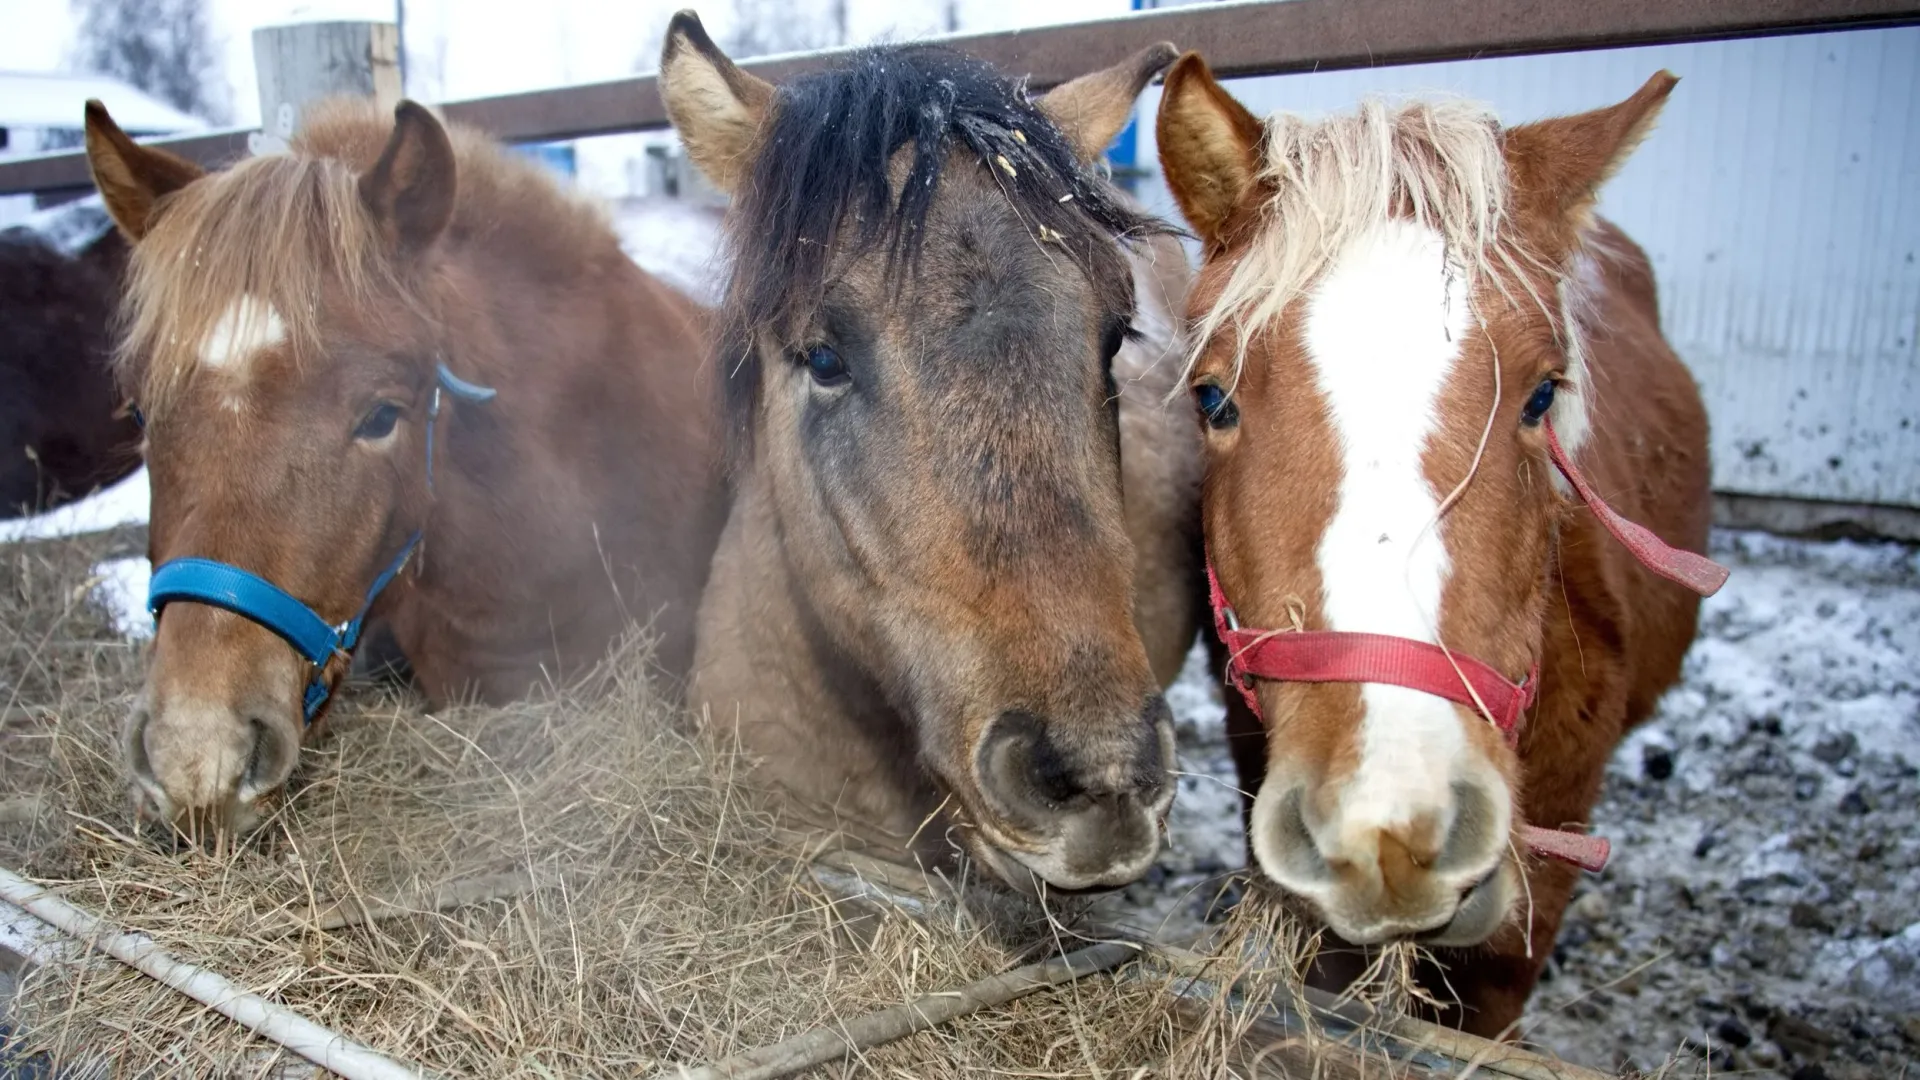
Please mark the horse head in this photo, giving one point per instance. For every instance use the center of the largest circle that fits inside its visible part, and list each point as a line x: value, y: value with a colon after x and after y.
x: 928, y: 291
x: 1391, y: 370
x: 283, y: 347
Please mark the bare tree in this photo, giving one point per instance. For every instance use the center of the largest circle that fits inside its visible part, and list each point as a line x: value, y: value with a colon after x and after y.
x: 161, y: 46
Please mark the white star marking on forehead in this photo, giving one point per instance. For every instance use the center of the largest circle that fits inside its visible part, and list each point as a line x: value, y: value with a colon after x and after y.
x: 248, y: 327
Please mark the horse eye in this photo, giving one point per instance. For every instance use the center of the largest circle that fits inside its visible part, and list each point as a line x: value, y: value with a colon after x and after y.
x: 379, y: 422
x: 826, y: 367
x: 1218, y: 409
x: 1537, y: 405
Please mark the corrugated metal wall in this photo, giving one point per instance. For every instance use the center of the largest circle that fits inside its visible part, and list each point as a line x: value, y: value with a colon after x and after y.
x: 1780, y: 201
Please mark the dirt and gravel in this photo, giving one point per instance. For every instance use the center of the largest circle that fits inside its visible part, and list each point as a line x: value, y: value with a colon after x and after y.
x: 1761, y: 916
x: 1762, y: 913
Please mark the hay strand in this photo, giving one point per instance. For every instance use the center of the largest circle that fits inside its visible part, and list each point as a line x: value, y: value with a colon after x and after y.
x: 358, y: 911
x: 23, y: 810
x: 328, y: 1049
x: 826, y: 1044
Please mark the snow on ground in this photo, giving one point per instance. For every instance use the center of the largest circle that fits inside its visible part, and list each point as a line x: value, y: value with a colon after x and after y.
x: 1763, y: 906
x: 120, y: 586
x: 125, y: 503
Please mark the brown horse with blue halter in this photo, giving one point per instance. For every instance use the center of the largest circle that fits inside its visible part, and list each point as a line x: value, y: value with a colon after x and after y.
x: 394, y: 375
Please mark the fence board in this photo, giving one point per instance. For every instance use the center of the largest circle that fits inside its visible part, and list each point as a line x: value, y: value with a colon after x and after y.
x: 1265, y: 38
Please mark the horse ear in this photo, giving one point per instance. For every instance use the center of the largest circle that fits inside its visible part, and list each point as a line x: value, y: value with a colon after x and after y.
x: 410, y: 189
x: 1558, y: 165
x: 1208, y: 148
x: 131, y: 177
x: 1094, y: 108
x: 716, y: 107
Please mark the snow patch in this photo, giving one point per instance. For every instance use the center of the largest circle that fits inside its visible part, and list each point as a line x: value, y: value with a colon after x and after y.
x: 125, y: 503
x: 120, y: 586
x: 1886, y: 971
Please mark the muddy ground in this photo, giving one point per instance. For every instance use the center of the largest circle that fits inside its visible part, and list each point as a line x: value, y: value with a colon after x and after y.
x: 1761, y: 915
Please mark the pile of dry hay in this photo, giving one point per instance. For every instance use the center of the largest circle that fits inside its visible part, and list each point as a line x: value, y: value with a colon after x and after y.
x: 671, y: 922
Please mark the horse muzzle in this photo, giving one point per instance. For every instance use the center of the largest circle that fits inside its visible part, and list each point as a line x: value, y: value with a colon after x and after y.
x: 1073, y: 814
x: 206, y: 758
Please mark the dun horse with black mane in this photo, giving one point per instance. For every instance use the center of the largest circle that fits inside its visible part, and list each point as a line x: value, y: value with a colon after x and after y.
x: 394, y: 374
x: 962, y: 558
x: 1419, y: 362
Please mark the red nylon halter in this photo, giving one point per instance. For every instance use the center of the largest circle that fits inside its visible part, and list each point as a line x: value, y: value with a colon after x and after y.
x: 1344, y: 656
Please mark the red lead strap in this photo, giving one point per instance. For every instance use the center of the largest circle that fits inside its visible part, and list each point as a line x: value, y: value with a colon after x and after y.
x: 1343, y: 656
x: 1696, y: 572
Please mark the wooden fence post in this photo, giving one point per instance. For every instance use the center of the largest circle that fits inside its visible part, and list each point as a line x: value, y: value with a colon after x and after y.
x: 300, y: 64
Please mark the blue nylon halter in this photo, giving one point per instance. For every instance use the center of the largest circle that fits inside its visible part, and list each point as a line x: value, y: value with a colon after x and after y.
x: 247, y: 594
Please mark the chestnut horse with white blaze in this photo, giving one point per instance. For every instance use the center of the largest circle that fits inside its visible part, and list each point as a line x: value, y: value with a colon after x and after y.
x: 1420, y: 361
x: 395, y: 375
x: 963, y: 557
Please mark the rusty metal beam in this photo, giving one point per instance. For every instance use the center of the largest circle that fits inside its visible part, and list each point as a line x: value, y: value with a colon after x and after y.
x: 1275, y: 37
x: 67, y: 171
x: 1244, y: 39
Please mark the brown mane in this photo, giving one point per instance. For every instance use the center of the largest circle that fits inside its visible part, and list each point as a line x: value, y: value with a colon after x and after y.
x: 281, y: 227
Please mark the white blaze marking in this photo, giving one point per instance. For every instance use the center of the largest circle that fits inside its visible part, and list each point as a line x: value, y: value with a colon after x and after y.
x: 1573, y: 403
x: 244, y: 329
x: 1383, y: 333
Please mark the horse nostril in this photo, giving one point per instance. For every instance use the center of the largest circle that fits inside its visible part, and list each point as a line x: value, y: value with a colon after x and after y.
x: 1021, y: 769
x: 269, y: 760
x: 1082, y: 806
x: 1471, y: 887
x: 1478, y: 831
x: 1284, y: 845
x: 139, y: 761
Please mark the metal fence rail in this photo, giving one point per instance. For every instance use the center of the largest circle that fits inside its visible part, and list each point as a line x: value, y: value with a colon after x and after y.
x: 1272, y: 37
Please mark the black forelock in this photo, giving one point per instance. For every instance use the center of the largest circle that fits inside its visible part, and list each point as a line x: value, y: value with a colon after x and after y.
x: 825, y: 160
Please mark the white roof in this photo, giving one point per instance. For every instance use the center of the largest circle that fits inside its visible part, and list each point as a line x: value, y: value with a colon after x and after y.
x: 59, y: 99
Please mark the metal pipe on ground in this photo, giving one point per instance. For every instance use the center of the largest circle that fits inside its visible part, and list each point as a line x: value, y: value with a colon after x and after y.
x: 326, y: 1048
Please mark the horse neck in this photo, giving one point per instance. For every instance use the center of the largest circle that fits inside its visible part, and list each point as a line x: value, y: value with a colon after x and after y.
x: 763, y: 648
x: 1647, y: 450
x: 504, y: 530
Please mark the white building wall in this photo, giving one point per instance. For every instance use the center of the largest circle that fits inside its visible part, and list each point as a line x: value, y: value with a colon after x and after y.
x: 1779, y: 199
